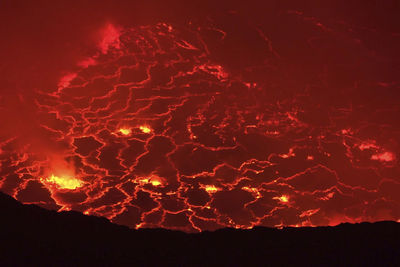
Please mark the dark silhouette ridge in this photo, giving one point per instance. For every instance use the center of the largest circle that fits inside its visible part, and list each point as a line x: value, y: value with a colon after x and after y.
x: 31, y: 235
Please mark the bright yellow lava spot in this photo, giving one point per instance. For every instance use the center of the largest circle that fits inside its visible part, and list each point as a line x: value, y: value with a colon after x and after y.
x: 155, y: 183
x: 151, y: 180
x: 145, y: 129
x: 211, y: 188
x: 125, y: 131
x: 282, y: 198
x: 63, y: 182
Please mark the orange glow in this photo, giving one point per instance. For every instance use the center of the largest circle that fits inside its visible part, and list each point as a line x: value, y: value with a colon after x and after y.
x: 125, y: 131
x: 308, y: 213
x: 252, y: 190
x: 283, y: 198
x: 137, y: 226
x: 153, y: 180
x: 211, y: 188
x: 145, y: 129
x: 155, y: 183
x: 63, y: 182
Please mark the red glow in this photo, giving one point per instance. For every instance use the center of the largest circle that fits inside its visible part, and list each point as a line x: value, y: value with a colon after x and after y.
x: 66, y: 80
x: 109, y: 38
x: 198, y: 127
x: 385, y: 156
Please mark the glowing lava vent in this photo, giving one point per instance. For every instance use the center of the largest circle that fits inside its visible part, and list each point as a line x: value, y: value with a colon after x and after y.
x: 62, y: 182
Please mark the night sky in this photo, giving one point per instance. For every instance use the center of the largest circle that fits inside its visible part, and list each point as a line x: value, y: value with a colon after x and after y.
x: 199, y: 116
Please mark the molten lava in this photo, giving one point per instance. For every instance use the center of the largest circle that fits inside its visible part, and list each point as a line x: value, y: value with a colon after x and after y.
x: 125, y: 131
x: 211, y: 188
x: 283, y: 198
x: 63, y: 182
x: 145, y: 129
x: 201, y: 126
x: 153, y: 180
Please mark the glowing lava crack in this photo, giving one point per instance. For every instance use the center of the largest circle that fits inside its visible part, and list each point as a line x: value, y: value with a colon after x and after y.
x: 157, y: 134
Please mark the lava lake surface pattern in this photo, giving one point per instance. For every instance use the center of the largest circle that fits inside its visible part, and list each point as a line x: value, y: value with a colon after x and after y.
x: 218, y: 123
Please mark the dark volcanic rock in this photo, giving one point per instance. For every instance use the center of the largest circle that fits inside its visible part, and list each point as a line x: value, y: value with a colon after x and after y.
x: 31, y: 235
